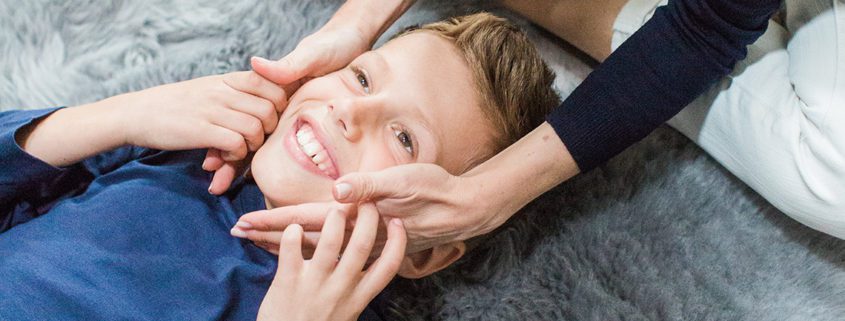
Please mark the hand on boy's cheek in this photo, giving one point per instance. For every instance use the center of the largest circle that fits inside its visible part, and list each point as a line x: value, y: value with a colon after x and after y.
x: 226, y: 169
x: 265, y: 227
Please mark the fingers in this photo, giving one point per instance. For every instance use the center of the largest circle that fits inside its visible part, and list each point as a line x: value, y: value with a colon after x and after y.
x: 269, y: 241
x: 310, y: 215
x: 383, y: 270
x: 249, y: 127
x: 360, y: 187
x: 212, y: 161
x: 252, y: 83
x: 361, y: 243
x: 290, y: 251
x: 331, y: 240
x: 229, y: 142
x: 265, y: 110
x: 223, y: 178
x: 254, y: 104
x: 265, y: 237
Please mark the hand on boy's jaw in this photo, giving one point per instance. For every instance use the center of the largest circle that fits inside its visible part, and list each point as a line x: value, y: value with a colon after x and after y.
x: 265, y: 229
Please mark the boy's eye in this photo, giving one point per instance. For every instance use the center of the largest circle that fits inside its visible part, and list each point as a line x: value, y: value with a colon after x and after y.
x: 362, y: 80
x: 405, y: 139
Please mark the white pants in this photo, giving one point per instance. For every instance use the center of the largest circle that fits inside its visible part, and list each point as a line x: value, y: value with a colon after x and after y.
x: 778, y: 120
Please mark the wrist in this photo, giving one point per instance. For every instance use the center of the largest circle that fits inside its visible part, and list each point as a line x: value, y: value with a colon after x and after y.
x: 367, y: 17
x: 531, y: 166
x: 120, y: 116
x: 479, y: 192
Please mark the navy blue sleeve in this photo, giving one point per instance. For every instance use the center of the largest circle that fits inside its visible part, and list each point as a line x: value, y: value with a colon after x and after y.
x: 683, y: 50
x: 28, y: 186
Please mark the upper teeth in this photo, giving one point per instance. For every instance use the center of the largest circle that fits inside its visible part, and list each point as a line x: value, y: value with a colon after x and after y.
x: 312, y: 147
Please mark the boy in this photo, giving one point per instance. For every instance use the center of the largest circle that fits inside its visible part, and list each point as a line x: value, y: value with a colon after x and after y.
x: 132, y: 233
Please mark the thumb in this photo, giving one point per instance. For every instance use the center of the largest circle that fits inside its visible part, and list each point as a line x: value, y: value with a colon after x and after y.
x: 359, y: 187
x: 289, y: 69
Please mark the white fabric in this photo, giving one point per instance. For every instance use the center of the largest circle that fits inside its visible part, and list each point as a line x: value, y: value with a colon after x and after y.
x: 778, y: 121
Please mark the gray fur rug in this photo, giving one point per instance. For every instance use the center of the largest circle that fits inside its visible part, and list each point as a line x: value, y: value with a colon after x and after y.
x: 661, y: 232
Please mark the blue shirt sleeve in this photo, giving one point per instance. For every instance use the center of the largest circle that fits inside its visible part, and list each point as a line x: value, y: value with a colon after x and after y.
x: 683, y: 50
x: 29, y: 186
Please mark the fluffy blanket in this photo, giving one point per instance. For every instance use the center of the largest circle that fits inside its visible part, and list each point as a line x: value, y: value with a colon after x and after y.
x: 661, y: 232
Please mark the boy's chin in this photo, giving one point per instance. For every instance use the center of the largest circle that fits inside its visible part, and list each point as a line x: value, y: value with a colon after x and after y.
x: 287, y: 191
x: 283, y: 183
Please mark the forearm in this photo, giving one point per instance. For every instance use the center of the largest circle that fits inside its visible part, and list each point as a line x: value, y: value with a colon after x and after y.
x: 73, y: 134
x: 370, y: 17
x: 531, y: 166
x: 672, y: 59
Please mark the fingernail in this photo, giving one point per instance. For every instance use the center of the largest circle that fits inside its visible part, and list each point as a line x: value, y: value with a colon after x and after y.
x: 259, y: 60
x: 243, y: 225
x: 396, y: 222
x: 237, y: 232
x: 209, y: 189
x: 204, y: 164
x: 343, y: 190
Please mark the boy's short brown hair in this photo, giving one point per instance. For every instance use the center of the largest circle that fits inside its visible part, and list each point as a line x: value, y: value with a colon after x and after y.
x: 513, y: 82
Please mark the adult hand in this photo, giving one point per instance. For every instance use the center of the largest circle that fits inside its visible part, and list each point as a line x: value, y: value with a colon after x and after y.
x: 350, y: 32
x: 325, y: 51
x: 330, y: 286
x: 436, y: 207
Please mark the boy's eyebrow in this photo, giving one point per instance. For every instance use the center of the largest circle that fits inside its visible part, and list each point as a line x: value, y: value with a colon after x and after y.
x: 383, y: 65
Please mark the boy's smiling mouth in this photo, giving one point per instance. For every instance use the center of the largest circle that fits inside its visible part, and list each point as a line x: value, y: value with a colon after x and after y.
x: 307, y: 144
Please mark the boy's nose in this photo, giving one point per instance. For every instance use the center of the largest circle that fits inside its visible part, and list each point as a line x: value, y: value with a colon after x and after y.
x: 353, y: 116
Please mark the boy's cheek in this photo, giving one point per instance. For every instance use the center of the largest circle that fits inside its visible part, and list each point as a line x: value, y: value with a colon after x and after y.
x: 375, y: 158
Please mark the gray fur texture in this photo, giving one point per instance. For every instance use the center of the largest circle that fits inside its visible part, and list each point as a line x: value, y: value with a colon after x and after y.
x: 661, y: 232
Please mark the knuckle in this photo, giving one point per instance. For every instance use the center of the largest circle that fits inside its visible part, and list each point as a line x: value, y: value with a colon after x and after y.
x: 331, y: 244
x: 233, y: 143
x: 267, y: 110
x: 291, y: 59
x: 253, y: 79
x: 295, y: 218
x: 361, y: 249
x: 393, y: 263
x: 214, y: 95
x: 367, y: 186
x: 254, y: 128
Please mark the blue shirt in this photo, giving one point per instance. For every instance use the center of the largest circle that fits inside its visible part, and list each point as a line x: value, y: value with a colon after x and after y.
x: 132, y: 234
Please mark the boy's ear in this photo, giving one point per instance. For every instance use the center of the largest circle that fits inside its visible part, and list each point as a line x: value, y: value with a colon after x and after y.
x: 424, y: 263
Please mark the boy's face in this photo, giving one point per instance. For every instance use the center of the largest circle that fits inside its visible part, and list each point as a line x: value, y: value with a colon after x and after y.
x: 412, y: 100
